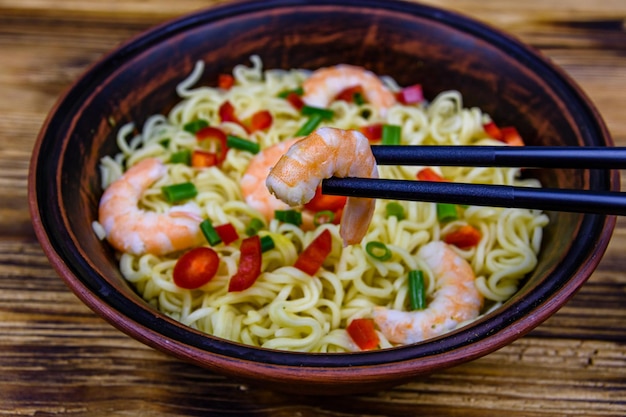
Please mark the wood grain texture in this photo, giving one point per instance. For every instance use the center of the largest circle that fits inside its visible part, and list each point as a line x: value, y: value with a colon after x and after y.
x: 58, y: 358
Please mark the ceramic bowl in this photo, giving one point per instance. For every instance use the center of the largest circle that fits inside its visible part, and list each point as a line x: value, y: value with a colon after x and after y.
x: 440, y: 49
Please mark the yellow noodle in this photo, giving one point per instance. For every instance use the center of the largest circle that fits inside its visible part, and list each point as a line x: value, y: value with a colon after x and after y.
x: 286, y: 308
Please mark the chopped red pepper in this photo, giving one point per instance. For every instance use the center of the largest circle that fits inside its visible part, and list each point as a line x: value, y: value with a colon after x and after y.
x: 225, y: 81
x: 202, y: 159
x: 348, y: 94
x: 227, y: 114
x: 249, y: 264
x: 492, y: 130
x: 295, y: 100
x: 410, y: 95
x: 261, y: 120
x: 321, y: 202
x: 314, y: 255
x: 363, y: 333
x: 507, y: 134
x: 227, y: 233
x: 373, y: 132
x: 428, y: 174
x: 511, y: 136
x: 195, y: 268
x: 464, y: 237
x: 213, y: 140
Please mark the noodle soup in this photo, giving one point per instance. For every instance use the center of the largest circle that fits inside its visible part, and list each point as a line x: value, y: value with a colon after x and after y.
x: 286, y: 308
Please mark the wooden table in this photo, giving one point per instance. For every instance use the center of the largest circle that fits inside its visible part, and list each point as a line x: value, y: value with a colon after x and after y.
x: 59, y: 358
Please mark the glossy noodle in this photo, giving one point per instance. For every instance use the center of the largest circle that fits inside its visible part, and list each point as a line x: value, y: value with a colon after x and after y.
x: 286, y: 308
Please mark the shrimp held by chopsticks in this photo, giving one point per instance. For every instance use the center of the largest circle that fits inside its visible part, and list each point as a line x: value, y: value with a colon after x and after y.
x: 325, y: 153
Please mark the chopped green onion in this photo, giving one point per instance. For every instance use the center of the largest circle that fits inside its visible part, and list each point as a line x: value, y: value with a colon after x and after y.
x: 446, y: 212
x: 242, y: 144
x: 289, y: 216
x: 395, y: 209
x: 358, y: 99
x: 323, y: 217
x: 181, y: 157
x: 391, y: 134
x: 178, y: 192
x: 195, y: 125
x: 326, y: 114
x: 210, y: 233
x: 378, y: 251
x: 299, y: 91
x: 165, y: 142
x: 309, y: 126
x: 267, y: 243
x: 254, y: 226
x: 417, y: 292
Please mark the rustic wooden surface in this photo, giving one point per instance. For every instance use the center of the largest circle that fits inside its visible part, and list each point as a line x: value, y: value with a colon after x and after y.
x: 59, y: 358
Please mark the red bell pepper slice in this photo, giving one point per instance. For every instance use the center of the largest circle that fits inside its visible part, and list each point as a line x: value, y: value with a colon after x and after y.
x: 321, y: 202
x: 295, y: 100
x: 411, y: 95
x: 261, y: 120
x: 314, y: 255
x: 195, y: 268
x: 227, y: 114
x: 225, y: 81
x: 492, y: 130
x: 373, y: 132
x: 428, y: 174
x: 511, y: 136
x: 348, y: 94
x: 464, y: 237
x: 202, y: 159
x: 249, y: 264
x: 213, y: 140
x: 227, y: 233
x: 363, y: 333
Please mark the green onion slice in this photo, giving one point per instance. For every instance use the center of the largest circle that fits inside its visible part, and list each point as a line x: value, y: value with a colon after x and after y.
x: 417, y: 291
x: 178, y: 192
x: 242, y: 144
x: 289, y: 216
x: 326, y: 114
x: 394, y: 209
x: 210, y: 233
x: 181, y: 157
x: 323, y: 217
x: 447, y: 212
x: 298, y: 91
x: 195, y: 125
x: 378, y: 251
x: 267, y: 243
x: 254, y: 226
x: 310, y: 125
x: 391, y: 134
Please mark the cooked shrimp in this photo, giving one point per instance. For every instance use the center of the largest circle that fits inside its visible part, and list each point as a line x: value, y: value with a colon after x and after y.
x: 131, y: 229
x: 253, y: 186
x: 456, y: 300
x: 324, y: 85
x: 325, y: 153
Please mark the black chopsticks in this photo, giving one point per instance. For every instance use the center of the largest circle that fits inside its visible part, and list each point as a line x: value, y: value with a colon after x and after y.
x: 577, y: 201
x: 502, y: 156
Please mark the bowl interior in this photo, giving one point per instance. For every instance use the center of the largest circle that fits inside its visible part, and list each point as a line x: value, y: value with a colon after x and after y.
x: 412, y: 43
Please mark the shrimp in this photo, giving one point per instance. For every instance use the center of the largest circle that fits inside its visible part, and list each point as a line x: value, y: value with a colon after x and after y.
x: 456, y: 300
x: 253, y: 186
x: 325, y: 153
x: 324, y: 85
x: 133, y: 230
